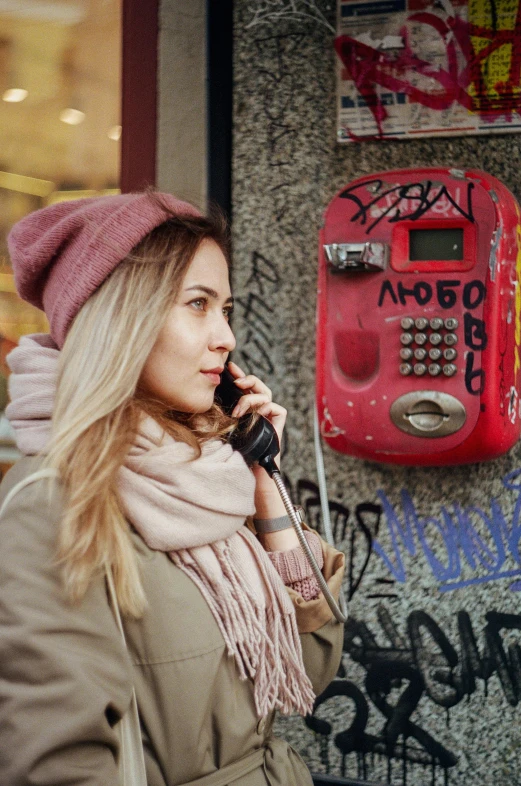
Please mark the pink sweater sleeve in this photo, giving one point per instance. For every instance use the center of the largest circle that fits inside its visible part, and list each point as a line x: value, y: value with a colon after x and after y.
x: 295, y: 570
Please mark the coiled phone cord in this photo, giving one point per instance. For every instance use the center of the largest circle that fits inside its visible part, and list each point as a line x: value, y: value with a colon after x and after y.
x: 307, y: 551
x: 260, y: 444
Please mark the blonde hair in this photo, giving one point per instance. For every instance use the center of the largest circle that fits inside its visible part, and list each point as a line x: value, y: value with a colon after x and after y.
x: 98, y: 402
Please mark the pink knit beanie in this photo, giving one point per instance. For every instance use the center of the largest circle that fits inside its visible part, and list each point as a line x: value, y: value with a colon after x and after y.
x: 63, y: 253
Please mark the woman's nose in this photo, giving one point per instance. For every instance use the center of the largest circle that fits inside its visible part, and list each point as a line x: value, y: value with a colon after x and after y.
x: 223, y: 337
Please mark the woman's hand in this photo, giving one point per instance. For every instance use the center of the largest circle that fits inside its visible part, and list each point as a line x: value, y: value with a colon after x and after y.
x: 268, y: 504
x: 258, y: 398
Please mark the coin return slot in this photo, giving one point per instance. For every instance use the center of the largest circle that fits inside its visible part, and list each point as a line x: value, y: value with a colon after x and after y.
x: 428, y: 413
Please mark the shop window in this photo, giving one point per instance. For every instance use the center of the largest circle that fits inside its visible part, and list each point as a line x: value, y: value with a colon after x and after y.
x: 59, y: 131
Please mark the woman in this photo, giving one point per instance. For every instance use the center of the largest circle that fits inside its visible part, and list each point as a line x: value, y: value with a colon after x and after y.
x: 118, y: 403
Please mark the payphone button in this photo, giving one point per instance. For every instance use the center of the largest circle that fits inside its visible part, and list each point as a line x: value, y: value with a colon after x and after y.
x: 450, y: 353
x: 406, y: 353
x: 421, y: 323
x: 435, y: 353
x: 449, y: 369
x: 407, y: 323
x: 436, y: 323
x: 405, y: 369
x: 420, y: 369
x: 435, y: 339
x: 451, y: 323
x: 420, y: 354
x: 428, y: 413
x: 450, y: 339
x: 406, y: 338
x: 420, y: 338
x: 434, y: 369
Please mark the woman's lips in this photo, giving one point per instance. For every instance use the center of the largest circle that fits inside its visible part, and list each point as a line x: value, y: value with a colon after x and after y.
x: 214, y: 376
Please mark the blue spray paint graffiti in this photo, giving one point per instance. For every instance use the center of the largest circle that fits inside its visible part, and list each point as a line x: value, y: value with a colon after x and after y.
x: 458, y: 533
x: 417, y: 659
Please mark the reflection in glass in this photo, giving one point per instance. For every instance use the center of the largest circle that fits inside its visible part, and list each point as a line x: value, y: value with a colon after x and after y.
x: 59, y: 121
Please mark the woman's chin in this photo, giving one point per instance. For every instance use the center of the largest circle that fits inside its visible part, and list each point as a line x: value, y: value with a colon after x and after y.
x: 198, y: 407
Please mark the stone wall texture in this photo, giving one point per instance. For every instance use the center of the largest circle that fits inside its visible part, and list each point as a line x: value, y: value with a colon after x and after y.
x: 435, y: 669
x: 181, y: 91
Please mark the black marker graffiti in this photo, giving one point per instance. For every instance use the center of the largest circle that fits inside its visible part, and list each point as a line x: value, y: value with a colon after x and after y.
x: 387, y: 584
x: 476, y: 338
x: 446, y: 293
x: 474, y: 293
x: 272, y: 12
x: 421, y: 292
x: 274, y: 85
x: 423, y: 195
x: 275, y: 89
x: 474, y: 378
x: 258, y: 342
x: 474, y: 332
x: 422, y: 662
x: 448, y: 675
x: 263, y: 273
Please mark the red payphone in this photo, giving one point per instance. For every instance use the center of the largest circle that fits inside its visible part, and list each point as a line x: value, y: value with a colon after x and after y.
x: 419, y: 318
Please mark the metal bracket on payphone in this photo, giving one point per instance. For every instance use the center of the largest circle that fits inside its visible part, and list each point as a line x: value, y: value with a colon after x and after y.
x: 358, y: 256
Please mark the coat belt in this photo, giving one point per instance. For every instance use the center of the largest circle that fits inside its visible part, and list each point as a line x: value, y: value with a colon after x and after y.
x: 227, y: 775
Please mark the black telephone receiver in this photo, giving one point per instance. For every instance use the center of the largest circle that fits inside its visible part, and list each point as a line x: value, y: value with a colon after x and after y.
x: 258, y: 442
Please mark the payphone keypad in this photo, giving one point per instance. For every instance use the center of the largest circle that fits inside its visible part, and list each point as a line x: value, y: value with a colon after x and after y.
x: 424, y: 340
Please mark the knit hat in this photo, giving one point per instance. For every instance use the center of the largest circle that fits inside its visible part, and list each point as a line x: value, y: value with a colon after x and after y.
x: 63, y: 253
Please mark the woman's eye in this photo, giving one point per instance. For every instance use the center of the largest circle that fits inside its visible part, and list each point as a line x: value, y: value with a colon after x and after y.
x: 228, y: 311
x: 200, y: 303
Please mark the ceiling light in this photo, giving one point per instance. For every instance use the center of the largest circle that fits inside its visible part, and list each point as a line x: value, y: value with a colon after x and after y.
x: 56, y: 12
x: 73, y: 117
x: 114, y: 133
x: 14, y: 95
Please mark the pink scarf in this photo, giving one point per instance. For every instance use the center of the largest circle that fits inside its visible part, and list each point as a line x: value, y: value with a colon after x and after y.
x: 195, y: 511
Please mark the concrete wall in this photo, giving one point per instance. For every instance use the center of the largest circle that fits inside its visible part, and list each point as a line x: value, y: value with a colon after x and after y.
x: 443, y: 667
x: 181, y: 141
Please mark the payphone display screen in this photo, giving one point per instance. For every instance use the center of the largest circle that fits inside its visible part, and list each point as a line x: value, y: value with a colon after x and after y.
x: 435, y: 244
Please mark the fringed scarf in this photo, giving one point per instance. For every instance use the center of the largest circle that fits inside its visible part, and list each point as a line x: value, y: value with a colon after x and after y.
x: 193, y: 509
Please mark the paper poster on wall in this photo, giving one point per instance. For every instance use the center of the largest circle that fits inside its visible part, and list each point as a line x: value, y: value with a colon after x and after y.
x: 416, y: 68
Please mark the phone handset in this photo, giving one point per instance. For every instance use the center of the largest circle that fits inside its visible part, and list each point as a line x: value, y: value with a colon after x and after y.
x: 258, y: 442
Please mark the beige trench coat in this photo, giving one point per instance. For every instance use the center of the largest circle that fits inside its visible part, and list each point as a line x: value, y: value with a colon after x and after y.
x: 65, y: 676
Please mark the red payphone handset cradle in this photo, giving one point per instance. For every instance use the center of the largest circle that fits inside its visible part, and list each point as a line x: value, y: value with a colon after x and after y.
x: 419, y: 318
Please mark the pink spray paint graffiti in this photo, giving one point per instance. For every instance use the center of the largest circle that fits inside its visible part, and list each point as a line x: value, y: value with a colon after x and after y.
x: 478, y: 66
